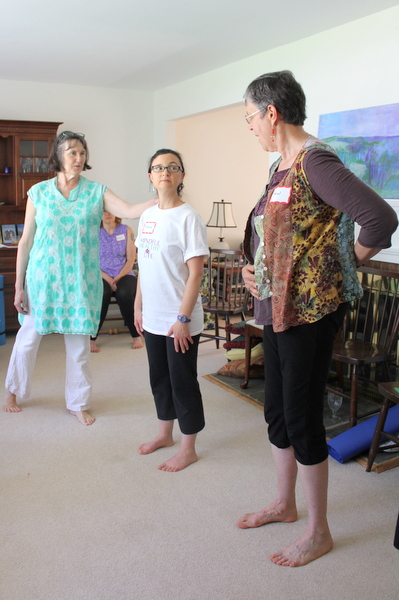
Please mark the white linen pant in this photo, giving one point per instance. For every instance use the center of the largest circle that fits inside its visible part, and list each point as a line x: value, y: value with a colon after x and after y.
x: 78, y: 380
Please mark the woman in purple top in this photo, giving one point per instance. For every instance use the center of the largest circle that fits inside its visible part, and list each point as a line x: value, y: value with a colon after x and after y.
x: 117, y: 256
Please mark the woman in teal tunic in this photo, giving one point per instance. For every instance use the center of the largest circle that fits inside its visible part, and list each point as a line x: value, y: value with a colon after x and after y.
x: 58, y: 286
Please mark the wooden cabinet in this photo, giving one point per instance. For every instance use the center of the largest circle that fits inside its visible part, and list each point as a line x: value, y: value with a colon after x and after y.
x: 7, y: 268
x: 24, y: 151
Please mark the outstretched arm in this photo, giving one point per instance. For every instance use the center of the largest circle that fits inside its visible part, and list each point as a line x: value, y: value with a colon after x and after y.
x: 118, y: 207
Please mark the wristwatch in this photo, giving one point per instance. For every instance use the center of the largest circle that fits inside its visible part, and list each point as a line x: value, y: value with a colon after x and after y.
x: 183, y: 319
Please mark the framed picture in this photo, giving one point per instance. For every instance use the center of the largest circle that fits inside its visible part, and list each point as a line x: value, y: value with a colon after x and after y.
x: 20, y: 228
x: 9, y: 233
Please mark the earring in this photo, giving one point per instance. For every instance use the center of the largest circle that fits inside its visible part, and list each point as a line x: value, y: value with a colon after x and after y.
x: 273, y: 135
x: 154, y: 188
x: 180, y: 187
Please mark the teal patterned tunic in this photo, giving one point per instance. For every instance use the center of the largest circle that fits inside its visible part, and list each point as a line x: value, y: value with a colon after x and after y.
x: 63, y: 279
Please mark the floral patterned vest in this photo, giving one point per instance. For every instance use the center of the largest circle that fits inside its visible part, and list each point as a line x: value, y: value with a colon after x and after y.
x: 306, y: 264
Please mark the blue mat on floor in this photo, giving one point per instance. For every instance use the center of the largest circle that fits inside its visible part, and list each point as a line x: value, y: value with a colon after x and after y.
x: 358, y: 439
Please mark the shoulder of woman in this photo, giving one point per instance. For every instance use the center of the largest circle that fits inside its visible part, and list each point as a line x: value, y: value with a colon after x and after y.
x: 319, y: 157
x: 36, y: 190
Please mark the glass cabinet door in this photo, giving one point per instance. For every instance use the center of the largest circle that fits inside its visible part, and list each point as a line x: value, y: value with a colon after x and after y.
x: 33, y: 156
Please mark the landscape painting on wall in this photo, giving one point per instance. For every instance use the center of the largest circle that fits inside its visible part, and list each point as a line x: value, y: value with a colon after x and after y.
x: 367, y: 142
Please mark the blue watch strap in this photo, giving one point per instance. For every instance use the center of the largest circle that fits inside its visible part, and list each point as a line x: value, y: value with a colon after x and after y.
x: 183, y: 319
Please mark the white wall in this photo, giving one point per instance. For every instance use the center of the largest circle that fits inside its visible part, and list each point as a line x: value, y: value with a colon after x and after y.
x: 223, y: 161
x: 118, y: 125
x: 351, y: 66
x: 347, y: 67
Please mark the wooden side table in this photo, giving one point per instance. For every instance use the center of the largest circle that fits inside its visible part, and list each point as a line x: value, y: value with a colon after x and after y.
x: 250, y: 330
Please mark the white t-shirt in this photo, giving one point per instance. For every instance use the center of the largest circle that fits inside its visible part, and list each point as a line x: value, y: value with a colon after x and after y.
x: 166, y: 240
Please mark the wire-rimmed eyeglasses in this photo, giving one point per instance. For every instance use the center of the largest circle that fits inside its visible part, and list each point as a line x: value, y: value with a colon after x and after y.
x: 169, y: 168
x: 248, y: 118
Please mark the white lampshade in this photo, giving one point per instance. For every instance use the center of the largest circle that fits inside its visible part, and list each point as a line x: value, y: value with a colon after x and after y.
x: 222, y: 216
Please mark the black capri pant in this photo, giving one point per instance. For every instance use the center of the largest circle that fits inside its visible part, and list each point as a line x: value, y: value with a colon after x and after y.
x: 174, y: 383
x: 297, y: 363
x: 125, y: 294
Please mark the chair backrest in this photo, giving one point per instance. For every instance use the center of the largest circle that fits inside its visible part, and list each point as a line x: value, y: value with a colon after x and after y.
x: 375, y: 317
x: 226, y: 288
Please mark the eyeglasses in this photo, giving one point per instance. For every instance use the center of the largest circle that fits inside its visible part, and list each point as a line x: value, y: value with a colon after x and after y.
x: 248, y: 118
x: 169, y: 168
x: 71, y: 134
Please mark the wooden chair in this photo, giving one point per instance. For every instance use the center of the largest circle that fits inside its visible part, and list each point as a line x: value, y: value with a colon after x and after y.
x: 390, y: 397
x: 226, y: 294
x: 113, y: 314
x: 369, y: 334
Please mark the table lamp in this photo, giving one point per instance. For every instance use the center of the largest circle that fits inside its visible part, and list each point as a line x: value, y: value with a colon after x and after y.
x: 222, y: 216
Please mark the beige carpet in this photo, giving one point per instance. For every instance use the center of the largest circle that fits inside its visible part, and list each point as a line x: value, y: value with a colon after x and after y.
x: 85, y: 517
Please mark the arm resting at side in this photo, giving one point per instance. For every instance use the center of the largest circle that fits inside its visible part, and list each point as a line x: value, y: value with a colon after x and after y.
x: 181, y: 331
x: 24, y: 247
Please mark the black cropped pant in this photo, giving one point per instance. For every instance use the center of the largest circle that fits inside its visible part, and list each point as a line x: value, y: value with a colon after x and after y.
x: 297, y: 362
x: 125, y: 294
x: 174, y: 383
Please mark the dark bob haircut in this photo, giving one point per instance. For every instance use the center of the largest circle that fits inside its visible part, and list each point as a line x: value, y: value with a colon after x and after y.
x: 282, y: 91
x: 64, y: 141
x: 168, y: 151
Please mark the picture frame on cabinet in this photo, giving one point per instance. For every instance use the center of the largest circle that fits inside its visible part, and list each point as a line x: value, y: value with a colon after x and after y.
x: 20, y: 228
x: 9, y: 234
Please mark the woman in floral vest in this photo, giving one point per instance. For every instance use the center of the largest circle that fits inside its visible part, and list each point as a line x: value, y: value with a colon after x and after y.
x: 302, y: 273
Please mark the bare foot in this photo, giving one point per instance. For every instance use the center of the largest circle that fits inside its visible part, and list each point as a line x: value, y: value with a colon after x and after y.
x: 83, y: 417
x: 93, y: 346
x: 158, y: 442
x: 275, y: 513
x: 10, y: 403
x: 180, y: 461
x: 137, y: 343
x: 303, y: 551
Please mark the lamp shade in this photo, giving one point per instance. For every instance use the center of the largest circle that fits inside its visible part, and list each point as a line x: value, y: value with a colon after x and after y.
x: 222, y: 215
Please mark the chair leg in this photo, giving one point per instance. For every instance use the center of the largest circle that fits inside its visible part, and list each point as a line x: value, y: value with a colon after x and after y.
x: 227, y: 323
x: 244, y: 384
x: 340, y: 374
x: 353, y: 404
x: 388, y: 376
x: 217, y: 330
x: 377, y: 434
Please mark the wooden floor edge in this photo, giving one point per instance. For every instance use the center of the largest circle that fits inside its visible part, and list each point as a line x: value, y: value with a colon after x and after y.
x: 379, y: 468
x: 233, y: 391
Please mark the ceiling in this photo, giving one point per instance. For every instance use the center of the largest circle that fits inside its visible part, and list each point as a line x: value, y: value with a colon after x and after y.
x: 149, y: 45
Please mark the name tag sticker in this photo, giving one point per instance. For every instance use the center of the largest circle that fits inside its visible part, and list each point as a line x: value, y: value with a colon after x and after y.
x: 120, y: 237
x: 149, y: 227
x: 282, y: 195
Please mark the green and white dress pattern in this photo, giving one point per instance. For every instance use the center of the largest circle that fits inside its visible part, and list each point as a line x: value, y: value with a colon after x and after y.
x: 63, y: 279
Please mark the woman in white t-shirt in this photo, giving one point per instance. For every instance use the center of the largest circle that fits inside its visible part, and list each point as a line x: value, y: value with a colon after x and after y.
x: 171, y: 247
